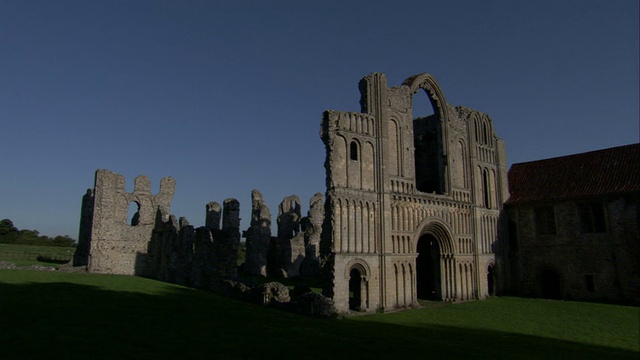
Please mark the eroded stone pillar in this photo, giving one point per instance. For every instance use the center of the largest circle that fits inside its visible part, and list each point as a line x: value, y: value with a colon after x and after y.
x: 258, y: 236
x: 212, y: 220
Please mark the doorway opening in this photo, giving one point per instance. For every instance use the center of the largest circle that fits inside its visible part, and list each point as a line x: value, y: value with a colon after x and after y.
x: 428, y: 273
x: 550, y: 284
x: 355, y: 289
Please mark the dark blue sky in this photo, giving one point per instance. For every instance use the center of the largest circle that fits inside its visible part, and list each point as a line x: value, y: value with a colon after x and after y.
x: 227, y: 96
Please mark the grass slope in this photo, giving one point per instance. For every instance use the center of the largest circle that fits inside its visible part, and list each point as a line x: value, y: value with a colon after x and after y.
x: 60, y: 315
x: 29, y: 254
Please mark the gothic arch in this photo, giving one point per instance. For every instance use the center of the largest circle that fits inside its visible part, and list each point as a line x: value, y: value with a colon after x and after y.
x: 426, y: 82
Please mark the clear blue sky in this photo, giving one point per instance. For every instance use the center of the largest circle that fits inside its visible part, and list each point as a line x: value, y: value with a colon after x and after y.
x: 227, y: 96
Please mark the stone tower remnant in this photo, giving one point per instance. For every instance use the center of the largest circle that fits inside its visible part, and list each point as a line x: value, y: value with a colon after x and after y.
x: 115, y: 244
x: 258, y: 236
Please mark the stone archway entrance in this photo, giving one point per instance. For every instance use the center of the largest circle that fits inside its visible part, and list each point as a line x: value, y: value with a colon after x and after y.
x: 428, y: 269
x: 435, y: 264
x: 358, y: 289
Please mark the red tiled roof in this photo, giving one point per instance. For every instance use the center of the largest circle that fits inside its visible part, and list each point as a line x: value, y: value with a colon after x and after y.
x: 609, y: 171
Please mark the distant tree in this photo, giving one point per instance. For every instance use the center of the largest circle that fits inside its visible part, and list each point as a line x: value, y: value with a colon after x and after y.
x: 63, y: 241
x: 30, y: 237
x: 8, y: 232
x: 6, y: 226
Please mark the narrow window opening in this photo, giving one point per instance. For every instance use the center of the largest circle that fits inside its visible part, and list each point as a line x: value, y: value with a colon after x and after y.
x: 353, y: 151
x: 485, y: 188
x: 133, y: 214
x: 588, y: 279
x: 477, y: 130
x: 485, y: 133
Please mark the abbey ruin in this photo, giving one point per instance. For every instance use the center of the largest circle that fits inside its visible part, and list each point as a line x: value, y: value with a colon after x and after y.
x: 413, y: 209
x: 413, y: 203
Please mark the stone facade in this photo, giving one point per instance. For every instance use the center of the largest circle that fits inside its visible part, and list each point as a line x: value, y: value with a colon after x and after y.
x: 413, y: 204
x: 574, y: 226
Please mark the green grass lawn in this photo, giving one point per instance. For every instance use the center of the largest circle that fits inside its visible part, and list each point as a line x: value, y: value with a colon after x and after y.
x: 62, y: 315
x: 22, y: 255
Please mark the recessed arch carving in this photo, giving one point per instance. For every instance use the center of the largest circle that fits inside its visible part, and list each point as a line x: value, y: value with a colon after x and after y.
x: 439, y: 230
x: 359, y: 264
x: 427, y: 83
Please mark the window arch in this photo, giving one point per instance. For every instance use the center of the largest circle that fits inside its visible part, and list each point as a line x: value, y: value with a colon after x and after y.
x: 486, y: 189
x: 353, y: 151
x: 133, y: 213
x: 485, y: 133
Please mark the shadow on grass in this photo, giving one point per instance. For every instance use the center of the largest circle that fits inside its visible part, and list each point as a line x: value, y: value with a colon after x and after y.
x: 70, y: 320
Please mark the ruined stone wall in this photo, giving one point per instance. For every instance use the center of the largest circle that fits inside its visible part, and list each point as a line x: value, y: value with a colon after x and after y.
x: 117, y: 245
x: 81, y: 255
x: 153, y: 243
x: 197, y: 257
x: 296, y: 249
x: 393, y: 180
x: 592, y: 266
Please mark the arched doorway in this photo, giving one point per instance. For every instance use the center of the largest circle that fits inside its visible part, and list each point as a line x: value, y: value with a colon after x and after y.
x: 428, y: 268
x: 355, y: 289
x: 491, y: 280
x: 550, y: 284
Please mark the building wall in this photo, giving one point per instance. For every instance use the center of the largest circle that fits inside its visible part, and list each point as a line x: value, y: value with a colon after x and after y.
x: 152, y: 242
x: 393, y: 180
x: 588, y: 263
x: 116, y: 244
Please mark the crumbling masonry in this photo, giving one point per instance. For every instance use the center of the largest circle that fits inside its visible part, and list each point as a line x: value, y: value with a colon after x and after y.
x: 412, y: 210
x: 154, y: 244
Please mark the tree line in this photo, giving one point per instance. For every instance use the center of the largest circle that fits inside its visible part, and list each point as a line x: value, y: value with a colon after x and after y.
x: 9, y: 234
